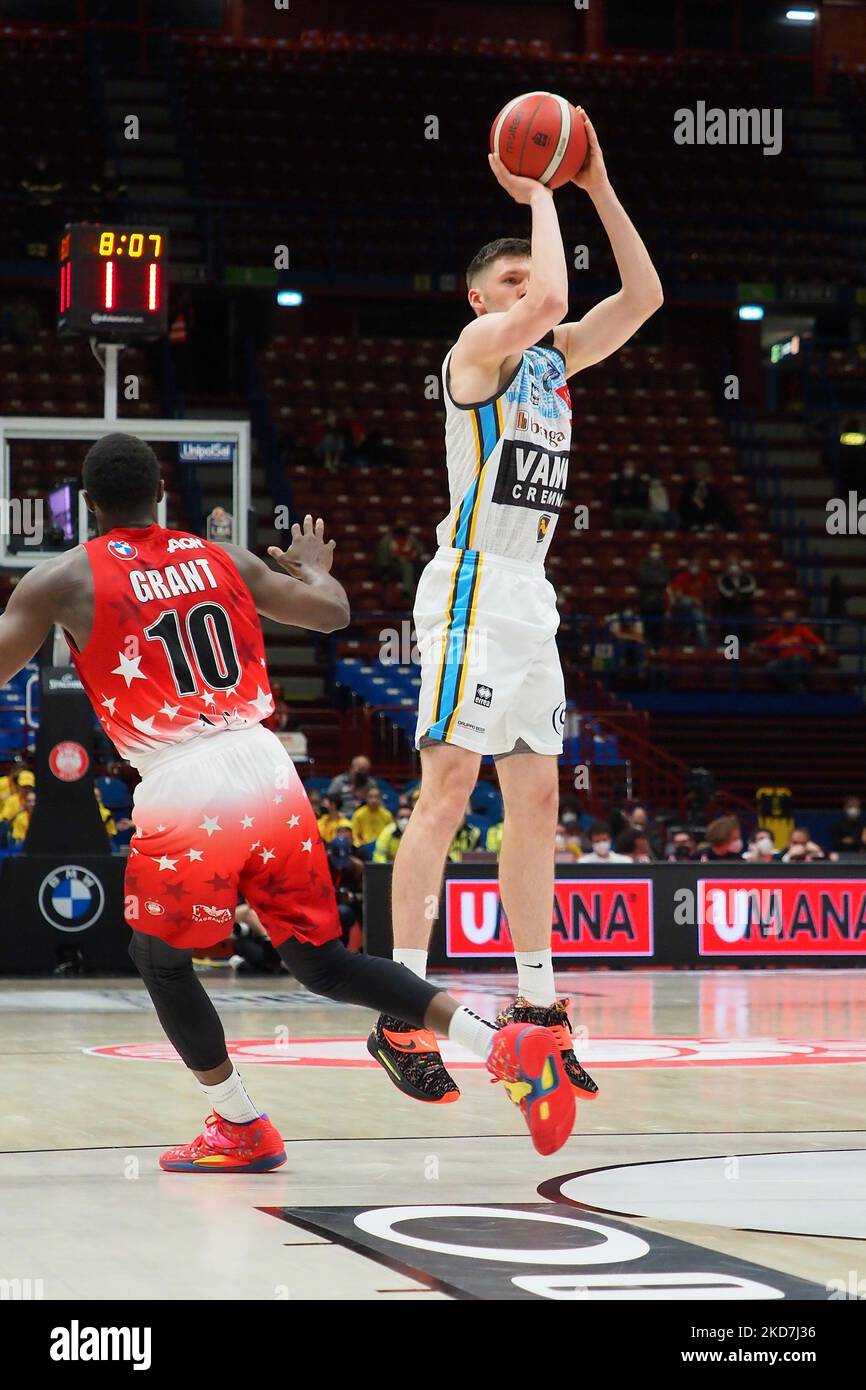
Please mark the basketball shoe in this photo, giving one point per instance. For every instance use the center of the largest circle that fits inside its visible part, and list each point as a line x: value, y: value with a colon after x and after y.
x: 557, y: 1021
x: 223, y: 1147
x: 528, y: 1062
x: 411, y: 1058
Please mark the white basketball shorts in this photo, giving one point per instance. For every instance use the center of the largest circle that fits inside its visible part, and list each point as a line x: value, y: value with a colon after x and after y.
x: 491, y: 678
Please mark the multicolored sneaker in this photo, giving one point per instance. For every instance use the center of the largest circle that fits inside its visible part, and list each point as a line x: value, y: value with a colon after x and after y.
x: 223, y: 1147
x: 527, y: 1060
x: 556, y: 1019
x: 411, y: 1058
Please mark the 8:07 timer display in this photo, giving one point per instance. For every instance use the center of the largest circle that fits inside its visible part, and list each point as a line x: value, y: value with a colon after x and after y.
x: 113, y: 281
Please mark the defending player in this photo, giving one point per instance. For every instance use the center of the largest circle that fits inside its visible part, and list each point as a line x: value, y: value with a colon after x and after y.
x: 485, y: 615
x: 165, y: 634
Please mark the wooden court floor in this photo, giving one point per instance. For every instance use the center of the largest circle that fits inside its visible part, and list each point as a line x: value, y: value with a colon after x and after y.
x: 725, y: 1156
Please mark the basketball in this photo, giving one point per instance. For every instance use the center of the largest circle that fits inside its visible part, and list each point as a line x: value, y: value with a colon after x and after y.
x: 540, y: 136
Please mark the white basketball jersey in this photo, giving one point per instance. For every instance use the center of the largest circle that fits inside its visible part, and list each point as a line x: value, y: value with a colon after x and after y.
x: 507, y: 460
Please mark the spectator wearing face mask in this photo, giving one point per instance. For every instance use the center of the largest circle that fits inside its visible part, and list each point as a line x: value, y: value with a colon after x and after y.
x: 388, y: 843
x: 493, y: 838
x: 467, y: 837
x: 601, y: 852
x: 332, y: 820
x: 736, y: 598
x: 845, y: 833
x: 352, y: 785
x: 761, y: 849
x: 682, y: 848
x: 724, y: 841
x: 653, y: 577
x: 629, y: 500
x: 802, y: 849
x: 662, y: 518
x: 690, y: 592
x: 566, y: 850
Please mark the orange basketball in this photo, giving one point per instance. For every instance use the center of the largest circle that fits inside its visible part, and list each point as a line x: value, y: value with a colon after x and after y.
x: 540, y: 136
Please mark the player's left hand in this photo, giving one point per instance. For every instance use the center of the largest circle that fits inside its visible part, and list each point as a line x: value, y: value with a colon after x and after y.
x: 308, y: 550
x: 592, y: 176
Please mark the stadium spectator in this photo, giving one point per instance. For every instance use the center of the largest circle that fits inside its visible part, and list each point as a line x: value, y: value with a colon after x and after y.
x: 845, y: 833
x: 690, y: 592
x: 332, y: 820
x: 625, y: 631
x: 682, y: 848
x: 601, y: 852
x: 112, y: 826
x: 662, y: 517
x: 793, y: 646
x: 653, y: 577
x: 397, y: 557
x: 634, y: 846
x: 21, y: 821
x: 370, y: 819
x: 388, y: 842
x: 20, y: 779
x: 566, y: 849
x: 468, y: 837
x: 330, y: 446
x: 724, y: 840
x: 314, y: 797
x: 736, y: 597
x: 41, y: 187
x: 629, y: 500
x: 493, y: 838
x: 109, y: 192
x: 352, y: 784
x: 761, y: 849
x: 253, y: 952
x: 702, y: 505
x: 802, y: 848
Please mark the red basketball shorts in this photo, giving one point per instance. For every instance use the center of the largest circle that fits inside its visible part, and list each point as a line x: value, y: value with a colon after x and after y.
x: 217, y: 817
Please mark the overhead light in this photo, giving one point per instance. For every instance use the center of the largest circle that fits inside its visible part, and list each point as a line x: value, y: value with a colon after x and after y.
x: 751, y: 311
x: 852, y: 437
x: 801, y: 16
x: 289, y: 299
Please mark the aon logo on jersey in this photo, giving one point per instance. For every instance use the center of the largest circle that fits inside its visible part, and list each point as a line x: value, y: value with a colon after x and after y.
x: 184, y: 543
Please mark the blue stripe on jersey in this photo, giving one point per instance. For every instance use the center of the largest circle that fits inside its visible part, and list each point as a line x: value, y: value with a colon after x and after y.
x: 455, y: 637
x: 487, y: 423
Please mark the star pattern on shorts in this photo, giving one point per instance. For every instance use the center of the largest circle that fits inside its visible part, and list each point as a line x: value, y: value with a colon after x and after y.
x: 267, y: 854
x: 174, y: 890
x: 194, y: 855
x: 293, y: 821
x: 210, y: 824
x: 170, y: 711
x: 109, y: 701
x: 246, y: 822
x: 218, y: 882
x: 165, y: 863
x: 307, y: 846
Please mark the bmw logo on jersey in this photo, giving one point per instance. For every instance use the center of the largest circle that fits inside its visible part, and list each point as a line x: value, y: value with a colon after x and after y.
x: 123, y: 550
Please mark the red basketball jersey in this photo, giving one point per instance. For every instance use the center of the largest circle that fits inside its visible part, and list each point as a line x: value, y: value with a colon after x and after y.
x: 176, y: 650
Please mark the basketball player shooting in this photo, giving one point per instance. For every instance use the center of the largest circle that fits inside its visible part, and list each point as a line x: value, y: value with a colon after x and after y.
x: 486, y: 616
x: 164, y: 632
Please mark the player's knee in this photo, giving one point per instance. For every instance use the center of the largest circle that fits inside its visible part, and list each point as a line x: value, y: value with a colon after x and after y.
x: 321, y: 969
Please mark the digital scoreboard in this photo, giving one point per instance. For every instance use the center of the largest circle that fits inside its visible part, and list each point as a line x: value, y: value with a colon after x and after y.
x: 113, y: 281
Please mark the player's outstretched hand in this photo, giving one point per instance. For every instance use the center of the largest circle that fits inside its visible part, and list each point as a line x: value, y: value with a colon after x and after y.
x: 308, y: 549
x: 521, y: 190
x: 592, y: 174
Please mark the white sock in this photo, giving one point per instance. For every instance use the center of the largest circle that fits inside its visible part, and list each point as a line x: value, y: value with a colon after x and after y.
x: 472, y: 1032
x: 535, y: 977
x: 229, y: 1099
x: 416, y: 961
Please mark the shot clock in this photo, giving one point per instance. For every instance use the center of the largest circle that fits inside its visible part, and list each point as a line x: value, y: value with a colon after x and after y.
x: 113, y: 281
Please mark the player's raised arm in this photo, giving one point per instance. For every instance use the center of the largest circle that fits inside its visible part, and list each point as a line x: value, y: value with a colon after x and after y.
x: 29, y: 617
x: 307, y: 595
x: 495, y: 336
x: 612, y: 322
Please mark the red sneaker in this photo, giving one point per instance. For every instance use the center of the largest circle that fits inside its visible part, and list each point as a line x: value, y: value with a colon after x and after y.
x: 223, y: 1147
x: 527, y: 1059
